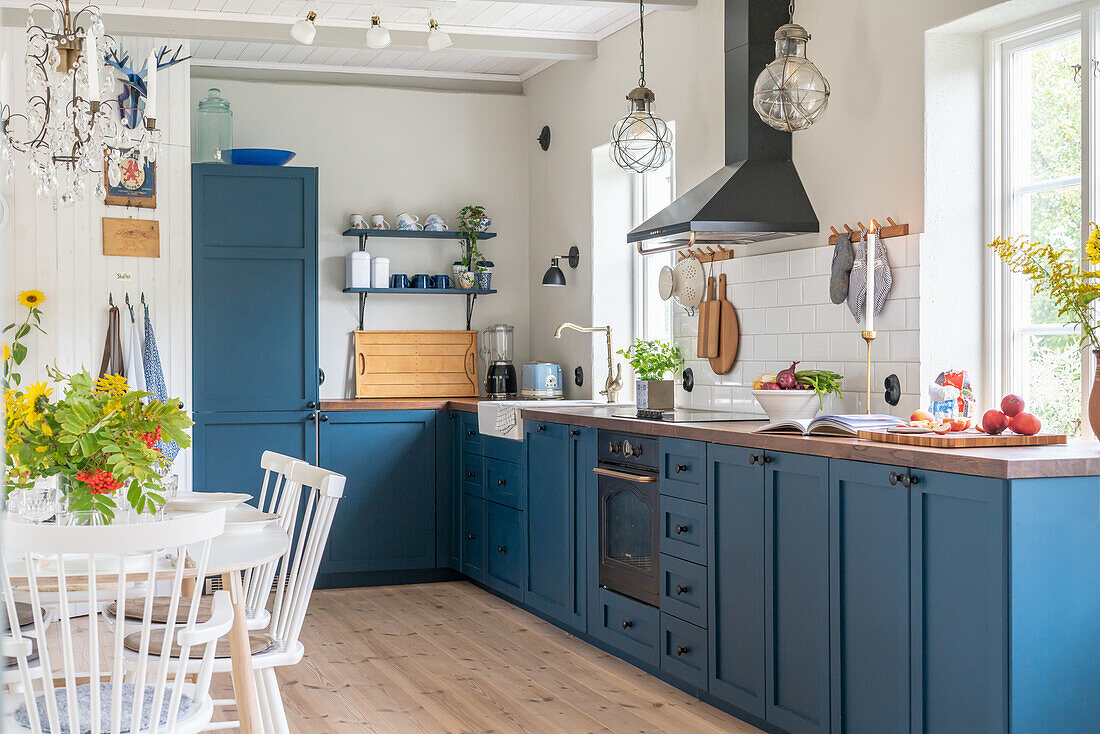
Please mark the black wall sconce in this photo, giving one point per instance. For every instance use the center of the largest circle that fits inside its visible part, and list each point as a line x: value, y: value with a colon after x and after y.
x: 554, y: 275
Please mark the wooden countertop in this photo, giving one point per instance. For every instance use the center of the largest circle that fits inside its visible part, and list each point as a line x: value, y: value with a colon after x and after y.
x: 1078, y: 458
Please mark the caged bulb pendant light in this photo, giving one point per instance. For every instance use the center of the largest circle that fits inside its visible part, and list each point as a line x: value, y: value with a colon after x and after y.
x: 791, y: 92
x: 641, y: 141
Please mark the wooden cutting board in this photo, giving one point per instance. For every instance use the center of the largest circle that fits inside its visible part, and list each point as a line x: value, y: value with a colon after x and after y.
x: 964, y: 440
x: 729, y: 333
x: 710, y: 315
x: 416, y: 364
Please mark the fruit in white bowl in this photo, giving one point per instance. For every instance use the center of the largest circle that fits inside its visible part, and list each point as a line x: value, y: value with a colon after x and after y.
x: 788, y: 404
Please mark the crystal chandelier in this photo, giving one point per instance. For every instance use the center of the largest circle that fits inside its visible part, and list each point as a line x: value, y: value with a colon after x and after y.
x: 641, y: 141
x: 70, y: 124
x: 790, y: 93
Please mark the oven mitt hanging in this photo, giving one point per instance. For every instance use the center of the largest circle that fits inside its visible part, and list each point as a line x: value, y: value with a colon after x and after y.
x: 843, y: 259
x: 884, y: 280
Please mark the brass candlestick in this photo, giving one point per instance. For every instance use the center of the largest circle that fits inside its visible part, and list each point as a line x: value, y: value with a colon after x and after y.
x: 869, y: 336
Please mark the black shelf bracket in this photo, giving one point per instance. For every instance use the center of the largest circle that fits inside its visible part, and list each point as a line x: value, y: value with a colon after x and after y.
x: 362, y: 308
x: 470, y: 298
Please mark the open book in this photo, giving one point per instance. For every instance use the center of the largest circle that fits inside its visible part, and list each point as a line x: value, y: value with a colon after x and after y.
x: 832, y: 425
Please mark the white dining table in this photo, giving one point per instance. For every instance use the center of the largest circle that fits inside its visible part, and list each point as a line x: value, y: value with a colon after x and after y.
x: 230, y: 554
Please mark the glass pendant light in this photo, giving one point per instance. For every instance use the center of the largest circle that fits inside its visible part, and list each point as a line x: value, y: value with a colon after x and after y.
x: 437, y: 39
x: 305, y: 30
x: 377, y: 36
x: 641, y: 141
x: 790, y: 93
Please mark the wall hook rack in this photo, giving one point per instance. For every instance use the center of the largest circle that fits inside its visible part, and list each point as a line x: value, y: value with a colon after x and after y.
x: 891, y: 229
x: 706, y: 254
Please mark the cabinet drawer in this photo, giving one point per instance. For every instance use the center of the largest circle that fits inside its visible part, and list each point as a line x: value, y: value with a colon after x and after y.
x: 505, y: 483
x: 473, y: 537
x: 506, y: 552
x: 684, y: 590
x: 469, y: 434
x: 684, y: 529
x: 495, y: 447
x: 473, y: 475
x: 684, y: 469
x: 629, y: 626
x: 684, y: 651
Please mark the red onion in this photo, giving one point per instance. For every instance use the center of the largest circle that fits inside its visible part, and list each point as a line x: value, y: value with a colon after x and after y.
x: 786, y: 379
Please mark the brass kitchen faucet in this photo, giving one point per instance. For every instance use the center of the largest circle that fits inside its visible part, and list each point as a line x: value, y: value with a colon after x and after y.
x: 614, y: 382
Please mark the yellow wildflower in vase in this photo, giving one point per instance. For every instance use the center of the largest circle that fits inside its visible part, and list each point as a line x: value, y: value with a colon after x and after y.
x: 31, y: 299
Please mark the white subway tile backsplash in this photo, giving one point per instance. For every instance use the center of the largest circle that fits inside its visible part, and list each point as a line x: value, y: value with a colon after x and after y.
x: 905, y: 345
x: 766, y: 294
x: 912, y: 313
x: 816, y: 346
x: 766, y: 346
x: 790, y: 347
x: 912, y: 250
x: 803, y: 263
x: 823, y: 261
x: 741, y: 295
x: 752, y: 320
x: 790, y: 292
x: 906, y: 283
x: 895, y: 251
x: 815, y: 289
x: 753, y: 269
x: 832, y: 318
x: 777, y: 265
x: 777, y: 320
x: 892, y: 316
x: 801, y: 319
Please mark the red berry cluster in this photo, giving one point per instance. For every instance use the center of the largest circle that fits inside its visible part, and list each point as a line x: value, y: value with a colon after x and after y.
x: 151, y: 439
x: 99, y: 481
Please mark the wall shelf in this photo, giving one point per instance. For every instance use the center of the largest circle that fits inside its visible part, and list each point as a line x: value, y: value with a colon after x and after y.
x: 470, y: 293
x: 416, y: 234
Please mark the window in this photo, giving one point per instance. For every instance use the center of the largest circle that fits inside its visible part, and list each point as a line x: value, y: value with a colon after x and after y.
x: 652, y: 192
x: 1037, y: 189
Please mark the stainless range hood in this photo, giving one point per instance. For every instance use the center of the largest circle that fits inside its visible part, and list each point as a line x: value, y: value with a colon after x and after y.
x: 757, y: 196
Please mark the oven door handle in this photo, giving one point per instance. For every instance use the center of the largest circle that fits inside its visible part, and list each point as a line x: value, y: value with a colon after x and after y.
x: 640, y: 478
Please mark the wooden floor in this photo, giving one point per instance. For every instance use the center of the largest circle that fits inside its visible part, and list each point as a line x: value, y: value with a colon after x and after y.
x: 453, y: 658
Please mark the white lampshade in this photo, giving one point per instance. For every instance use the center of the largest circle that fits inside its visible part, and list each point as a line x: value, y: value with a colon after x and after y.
x: 377, y: 36
x: 304, y: 31
x: 437, y: 39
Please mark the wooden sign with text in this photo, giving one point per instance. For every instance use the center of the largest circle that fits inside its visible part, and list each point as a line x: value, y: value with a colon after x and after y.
x: 131, y: 237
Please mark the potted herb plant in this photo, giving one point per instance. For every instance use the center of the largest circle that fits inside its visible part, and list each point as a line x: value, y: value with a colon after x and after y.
x: 471, y: 222
x: 652, y: 360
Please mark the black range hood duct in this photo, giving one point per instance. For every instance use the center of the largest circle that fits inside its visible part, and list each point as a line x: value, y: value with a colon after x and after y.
x: 758, y: 195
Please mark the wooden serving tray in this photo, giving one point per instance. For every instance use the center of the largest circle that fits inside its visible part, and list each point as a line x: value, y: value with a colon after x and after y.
x: 964, y: 440
x: 416, y: 364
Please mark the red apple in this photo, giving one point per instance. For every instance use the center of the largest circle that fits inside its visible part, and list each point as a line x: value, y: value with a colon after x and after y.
x: 994, y: 422
x: 1024, y: 424
x: 1012, y: 405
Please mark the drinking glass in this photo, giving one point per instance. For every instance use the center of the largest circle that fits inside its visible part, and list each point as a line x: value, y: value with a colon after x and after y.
x: 171, y: 485
x: 40, y: 502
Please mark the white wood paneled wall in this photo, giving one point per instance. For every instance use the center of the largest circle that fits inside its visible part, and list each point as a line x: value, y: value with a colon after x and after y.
x: 61, y: 251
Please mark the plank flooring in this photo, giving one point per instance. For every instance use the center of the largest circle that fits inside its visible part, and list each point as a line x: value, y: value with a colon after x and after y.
x: 451, y: 658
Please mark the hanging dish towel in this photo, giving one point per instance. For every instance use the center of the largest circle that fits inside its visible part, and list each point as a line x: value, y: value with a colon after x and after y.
x: 112, y: 349
x: 843, y: 259
x: 884, y: 280
x: 154, y: 382
x: 135, y: 376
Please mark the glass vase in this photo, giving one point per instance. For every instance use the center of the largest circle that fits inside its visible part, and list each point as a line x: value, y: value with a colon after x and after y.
x: 1094, y: 397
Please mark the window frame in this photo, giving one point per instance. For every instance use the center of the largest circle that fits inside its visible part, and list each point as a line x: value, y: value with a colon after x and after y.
x: 1003, y: 290
x: 640, y: 211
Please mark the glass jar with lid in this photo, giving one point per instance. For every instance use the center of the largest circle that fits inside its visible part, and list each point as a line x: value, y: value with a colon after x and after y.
x: 213, y: 128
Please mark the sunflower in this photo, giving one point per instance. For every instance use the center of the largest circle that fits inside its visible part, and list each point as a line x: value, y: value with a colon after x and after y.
x: 31, y: 299
x: 38, y: 398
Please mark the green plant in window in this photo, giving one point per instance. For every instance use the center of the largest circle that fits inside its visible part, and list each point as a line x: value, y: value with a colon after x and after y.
x: 652, y: 360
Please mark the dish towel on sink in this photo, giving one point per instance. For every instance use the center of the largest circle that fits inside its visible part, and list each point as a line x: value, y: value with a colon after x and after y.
x: 507, y: 417
x: 884, y: 280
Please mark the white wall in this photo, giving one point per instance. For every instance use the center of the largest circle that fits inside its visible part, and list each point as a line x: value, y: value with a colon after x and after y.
x: 61, y: 252
x: 388, y: 151
x: 865, y: 158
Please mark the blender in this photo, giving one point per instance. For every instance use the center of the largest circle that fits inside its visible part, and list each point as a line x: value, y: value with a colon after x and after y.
x: 496, y: 345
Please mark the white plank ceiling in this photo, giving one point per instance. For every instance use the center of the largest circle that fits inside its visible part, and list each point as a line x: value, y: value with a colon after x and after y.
x: 497, y: 44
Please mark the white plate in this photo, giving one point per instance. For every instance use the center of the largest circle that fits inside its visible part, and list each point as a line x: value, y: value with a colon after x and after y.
x: 247, y: 519
x: 206, y: 501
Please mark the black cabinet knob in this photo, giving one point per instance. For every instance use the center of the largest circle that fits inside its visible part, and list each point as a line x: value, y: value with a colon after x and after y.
x: 470, y: 432
x: 681, y: 468
x: 681, y: 529
x: 894, y: 478
x: 681, y: 590
x: 452, y: 416
x: 311, y: 405
x: 911, y: 480
x: 311, y: 417
x: 471, y: 536
x: 681, y: 651
x: 540, y: 428
x: 501, y: 482
x: 766, y: 459
x: 753, y: 458
x: 471, y: 474
x: 324, y: 418
x: 574, y: 432
x: 627, y: 624
x: 501, y: 549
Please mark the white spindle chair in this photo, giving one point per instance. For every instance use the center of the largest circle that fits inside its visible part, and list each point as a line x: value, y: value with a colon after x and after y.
x: 90, y: 565
x: 297, y: 571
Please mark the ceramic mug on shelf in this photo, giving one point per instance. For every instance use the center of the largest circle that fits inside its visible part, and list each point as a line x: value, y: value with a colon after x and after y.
x: 378, y: 221
x: 442, y: 282
x: 435, y: 223
x: 399, y: 280
x: 421, y: 280
x: 408, y: 221
x: 358, y: 221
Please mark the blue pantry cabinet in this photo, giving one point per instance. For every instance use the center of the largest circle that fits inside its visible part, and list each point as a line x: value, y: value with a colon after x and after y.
x: 386, y: 520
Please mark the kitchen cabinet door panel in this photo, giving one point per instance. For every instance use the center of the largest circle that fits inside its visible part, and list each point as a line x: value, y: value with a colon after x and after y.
x: 474, y: 541
x: 584, y: 484
x: 228, y: 446
x: 796, y: 546
x: 386, y: 519
x: 448, y: 492
x: 507, y: 552
x: 735, y: 578
x: 550, y: 527
x: 959, y: 596
x: 870, y: 598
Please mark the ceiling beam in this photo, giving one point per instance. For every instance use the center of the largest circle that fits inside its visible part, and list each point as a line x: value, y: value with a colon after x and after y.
x: 215, y: 26
x: 650, y: 4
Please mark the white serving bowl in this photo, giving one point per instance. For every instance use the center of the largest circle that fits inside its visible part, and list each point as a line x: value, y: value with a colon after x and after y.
x: 781, y: 405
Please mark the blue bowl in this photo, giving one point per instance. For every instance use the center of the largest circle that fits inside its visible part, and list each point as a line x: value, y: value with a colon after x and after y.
x: 257, y: 156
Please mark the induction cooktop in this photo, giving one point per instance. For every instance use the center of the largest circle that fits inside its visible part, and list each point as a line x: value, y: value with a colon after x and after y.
x: 685, y: 415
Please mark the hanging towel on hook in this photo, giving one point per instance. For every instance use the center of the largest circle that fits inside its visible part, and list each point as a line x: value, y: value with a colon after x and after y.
x: 884, y: 280
x: 154, y: 381
x: 112, y: 363
x: 135, y: 376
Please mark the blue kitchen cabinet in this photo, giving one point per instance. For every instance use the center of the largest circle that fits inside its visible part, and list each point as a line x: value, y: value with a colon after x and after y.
x: 506, y: 538
x: 869, y: 575
x: 796, y: 592
x: 959, y: 588
x: 386, y: 520
x: 584, y: 449
x: 474, y: 542
x: 228, y: 446
x: 448, y: 520
x: 735, y: 577
x: 550, y: 529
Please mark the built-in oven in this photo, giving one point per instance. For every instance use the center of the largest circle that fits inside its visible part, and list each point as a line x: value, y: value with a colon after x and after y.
x: 629, y: 515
